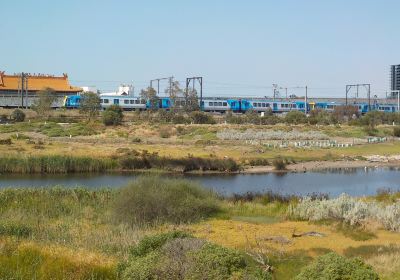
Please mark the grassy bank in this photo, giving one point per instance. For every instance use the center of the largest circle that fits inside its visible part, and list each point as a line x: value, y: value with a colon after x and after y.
x: 94, y: 234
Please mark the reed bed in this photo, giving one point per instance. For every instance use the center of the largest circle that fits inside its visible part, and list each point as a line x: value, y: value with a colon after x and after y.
x: 54, y: 164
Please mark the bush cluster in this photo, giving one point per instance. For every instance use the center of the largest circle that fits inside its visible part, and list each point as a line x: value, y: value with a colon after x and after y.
x: 152, y: 200
x: 396, y: 131
x: 113, y: 115
x: 348, y: 209
x: 279, y: 164
x: 177, y: 255
x: 199, y: 117
x: 146, y: 160
x: 333, y: 266
x: 18, y: 115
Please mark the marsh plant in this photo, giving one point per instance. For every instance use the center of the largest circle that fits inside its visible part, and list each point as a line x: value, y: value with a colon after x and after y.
x: 152, y: 200
x: 348, y: 209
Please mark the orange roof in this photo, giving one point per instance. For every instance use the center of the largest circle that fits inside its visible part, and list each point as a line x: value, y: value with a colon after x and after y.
x: 37, y: 82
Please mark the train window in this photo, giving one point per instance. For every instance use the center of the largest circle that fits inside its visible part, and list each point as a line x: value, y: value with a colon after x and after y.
x: 106, y: 101
x: 263, y: 104
x: 255, y: 104
x: 101, y: 101
x: 219, y: 103
x: 225, y: 104
x: 143, y: 101
x: 210, y: 104
x: 132, y: 101
x: 126, y: 101
x: 116, y: 101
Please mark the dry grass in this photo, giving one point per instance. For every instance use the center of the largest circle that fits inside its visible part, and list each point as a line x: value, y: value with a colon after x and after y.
x: 387, y: 265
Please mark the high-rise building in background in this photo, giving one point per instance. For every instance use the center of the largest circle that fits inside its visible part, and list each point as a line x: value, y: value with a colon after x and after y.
x: 395, y: 77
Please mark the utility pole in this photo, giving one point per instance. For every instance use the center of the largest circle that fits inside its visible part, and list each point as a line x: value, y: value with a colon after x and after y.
x: 305, y: 101
x: 366, y: 86
x: 392, y: 93
x: 24, y: 88
x: 158, y: 83
x: 26, y: 91
x: 193, y: 80
x: 19, y: 87
x: 274, y: 87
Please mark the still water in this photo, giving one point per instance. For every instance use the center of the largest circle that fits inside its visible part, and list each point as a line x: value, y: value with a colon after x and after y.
x: 356, y: 182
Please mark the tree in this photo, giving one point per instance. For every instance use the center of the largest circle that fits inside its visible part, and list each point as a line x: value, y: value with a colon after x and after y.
x: 90, y: 105
x: 113, y: 115
x: 44, y: 101
x: 191, y: 100
x: 150, y: 95
x: 174, y: 92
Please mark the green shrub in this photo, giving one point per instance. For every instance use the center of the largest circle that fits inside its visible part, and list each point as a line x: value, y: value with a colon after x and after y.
x: 151, y: 200
x: 81, y: 129
x: 333, y: 266
x: 201, y: 118
x: 18, y: 115
x: 396, y: 131
x: 5, y: 141
x: 147, y: 161
x: 371, y: 131
x: 155, y: 242
x: 113, y: 115
x: 279, y: 164
x: 258, y: 162
x: 179, y: 256
x: 214, y: 262
x: 180, y: 119
x: 17, y: 230
x: 295, y: 117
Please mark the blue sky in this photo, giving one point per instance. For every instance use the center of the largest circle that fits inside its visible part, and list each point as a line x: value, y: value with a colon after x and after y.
x: 239, y: 47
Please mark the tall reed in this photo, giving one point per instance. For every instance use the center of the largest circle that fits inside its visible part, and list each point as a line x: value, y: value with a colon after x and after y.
x: 54, y: 164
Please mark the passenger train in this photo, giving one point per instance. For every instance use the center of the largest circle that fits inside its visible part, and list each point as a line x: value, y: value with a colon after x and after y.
x: 128, y: 102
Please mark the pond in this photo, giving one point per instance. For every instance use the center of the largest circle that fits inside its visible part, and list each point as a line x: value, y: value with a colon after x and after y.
x: 354, y: 181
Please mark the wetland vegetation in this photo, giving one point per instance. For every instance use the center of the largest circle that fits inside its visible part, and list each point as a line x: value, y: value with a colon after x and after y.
x: 157, y: 227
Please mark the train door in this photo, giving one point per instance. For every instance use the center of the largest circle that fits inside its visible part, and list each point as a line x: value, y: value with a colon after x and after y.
x: 275, y: 107
x: 116, y: 101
